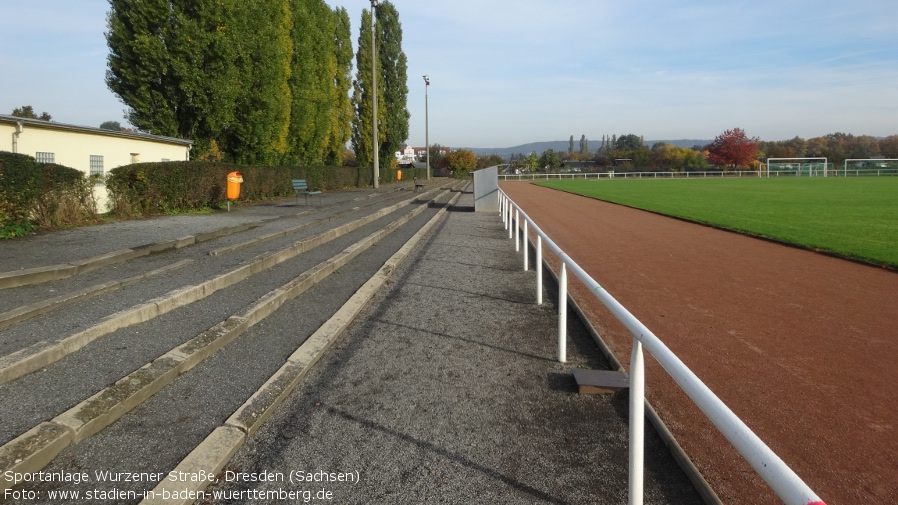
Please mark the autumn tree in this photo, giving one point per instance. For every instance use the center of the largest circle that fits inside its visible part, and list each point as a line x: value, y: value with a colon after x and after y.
x: 461, y: 162
x: 489, y: 160
x: 888, y: 146
x: 733, y: 148
x: 677, y: 159
x: 837, y: 147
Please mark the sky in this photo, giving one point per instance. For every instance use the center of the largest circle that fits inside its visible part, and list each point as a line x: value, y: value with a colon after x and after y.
x: 508, y: 73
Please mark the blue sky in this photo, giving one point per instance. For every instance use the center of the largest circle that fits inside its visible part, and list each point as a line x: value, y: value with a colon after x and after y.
x: 504, y: 74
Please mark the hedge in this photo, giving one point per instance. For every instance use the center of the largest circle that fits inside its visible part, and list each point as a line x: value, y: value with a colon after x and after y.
x: 44, y: 195
x: 150, y: 188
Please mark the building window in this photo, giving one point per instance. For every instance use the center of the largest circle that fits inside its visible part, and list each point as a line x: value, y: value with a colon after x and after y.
x: 96, y: 165
x: 45, y: 157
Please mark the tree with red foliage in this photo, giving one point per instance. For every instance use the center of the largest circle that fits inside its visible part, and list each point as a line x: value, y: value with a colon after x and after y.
x: 733, y: 148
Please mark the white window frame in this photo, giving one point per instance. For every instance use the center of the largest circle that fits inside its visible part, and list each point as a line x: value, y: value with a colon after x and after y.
x: 96, y: 167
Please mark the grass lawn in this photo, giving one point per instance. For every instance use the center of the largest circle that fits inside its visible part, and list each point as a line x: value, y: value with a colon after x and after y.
x: 855, y: 217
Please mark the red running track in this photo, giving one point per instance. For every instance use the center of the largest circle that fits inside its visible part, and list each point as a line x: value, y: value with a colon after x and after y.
x: 802, y: 347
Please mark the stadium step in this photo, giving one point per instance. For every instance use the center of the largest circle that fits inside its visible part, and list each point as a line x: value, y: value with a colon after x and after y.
x: 198, y: 362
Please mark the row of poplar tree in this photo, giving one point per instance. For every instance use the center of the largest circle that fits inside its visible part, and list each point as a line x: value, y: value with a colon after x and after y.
x: 258, y: 81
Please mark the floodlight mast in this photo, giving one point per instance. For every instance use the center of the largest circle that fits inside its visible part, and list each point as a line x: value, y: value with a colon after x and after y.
x: 427, y: 124
x: 375, y: 147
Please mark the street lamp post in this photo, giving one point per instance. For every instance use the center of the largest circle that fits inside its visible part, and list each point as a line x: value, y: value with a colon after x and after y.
x: 427, y: 125
x: 375, y: 145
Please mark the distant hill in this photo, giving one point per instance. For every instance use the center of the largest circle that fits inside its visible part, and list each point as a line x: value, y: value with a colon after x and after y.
x: 562, y: 145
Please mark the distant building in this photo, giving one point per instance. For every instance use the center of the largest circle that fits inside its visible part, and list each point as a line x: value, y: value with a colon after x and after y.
x: 579, y: 166
x: 421, y: 152
x: 406, y: 155
x: 94, y: 151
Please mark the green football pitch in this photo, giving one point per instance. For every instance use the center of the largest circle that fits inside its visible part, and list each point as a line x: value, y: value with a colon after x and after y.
x: 851, y: 217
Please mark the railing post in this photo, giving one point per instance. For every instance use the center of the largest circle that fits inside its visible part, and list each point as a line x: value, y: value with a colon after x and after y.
x: 526, y: 241
x: 510, y: 223
x: 517, y: 225
x: 562, y: 314
x: 505, y: 217
x: 539, y: 269
x: 637, y: 421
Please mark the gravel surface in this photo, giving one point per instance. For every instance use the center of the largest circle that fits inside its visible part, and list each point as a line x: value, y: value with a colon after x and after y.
x: 446, y: 390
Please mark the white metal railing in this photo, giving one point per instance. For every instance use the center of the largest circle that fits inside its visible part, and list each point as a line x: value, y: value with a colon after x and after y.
x: 844, y: 172
x: 781, y: 479
x: 533, y: 176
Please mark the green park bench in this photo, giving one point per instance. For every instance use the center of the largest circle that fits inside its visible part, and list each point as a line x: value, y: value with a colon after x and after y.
x: 301, y: 187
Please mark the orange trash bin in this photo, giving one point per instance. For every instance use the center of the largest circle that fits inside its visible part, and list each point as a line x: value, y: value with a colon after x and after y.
x: 234, y: 181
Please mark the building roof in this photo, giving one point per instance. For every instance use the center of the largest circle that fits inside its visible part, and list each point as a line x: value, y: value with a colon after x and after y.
x: 52, y: 125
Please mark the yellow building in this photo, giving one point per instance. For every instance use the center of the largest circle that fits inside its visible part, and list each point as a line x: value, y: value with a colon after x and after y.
x: 94, y: 151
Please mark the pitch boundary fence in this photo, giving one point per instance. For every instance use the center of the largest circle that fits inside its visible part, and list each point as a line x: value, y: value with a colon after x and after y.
x: 781, y: 479
x: 737, y: 174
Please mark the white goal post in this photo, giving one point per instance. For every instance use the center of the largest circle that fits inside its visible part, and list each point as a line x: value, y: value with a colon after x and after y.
x: 875, y: 161
x: 799, y: 160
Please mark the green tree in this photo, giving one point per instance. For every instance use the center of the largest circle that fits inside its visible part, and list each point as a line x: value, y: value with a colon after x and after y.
x: 27, y: 111
x: 363, y: 97
x: 311, y: 83
x: 630, y: 147
x: 549, y: 159
x: 139, y: 68
x: 340, y: 130
x: 584, y: 147
x: 171, y: 63
x: 111, y: 125
x: 436, y: 154
x: 262, y: 111
x: 570, y: 147
x: 629, y: 142
x: 531, y: 161
x: 394, y: 70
